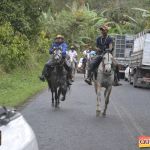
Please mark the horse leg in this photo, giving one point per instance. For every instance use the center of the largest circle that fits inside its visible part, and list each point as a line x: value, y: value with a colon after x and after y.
x: 95, y: 86
x: 73, y: 77
x: 74, y: 70
x: 52, y: 97
x: 98, y: 92
x: 59, y: 93
x: 64, y: 91
x: 106, y: 94
x: 56, y: 97
x: 84, y: 72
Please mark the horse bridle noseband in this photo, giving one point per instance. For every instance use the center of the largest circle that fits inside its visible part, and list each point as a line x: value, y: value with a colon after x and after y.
x: 103, y: 65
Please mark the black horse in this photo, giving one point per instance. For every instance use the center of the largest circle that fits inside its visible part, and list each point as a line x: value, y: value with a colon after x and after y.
x: 57, y: 78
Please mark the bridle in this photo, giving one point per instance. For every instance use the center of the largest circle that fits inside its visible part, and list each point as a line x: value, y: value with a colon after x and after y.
x: 57, y: 54
x: 104, y: 64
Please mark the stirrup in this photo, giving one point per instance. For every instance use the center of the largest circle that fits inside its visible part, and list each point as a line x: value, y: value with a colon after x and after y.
x: 42, y: 78
x: 69, y: 82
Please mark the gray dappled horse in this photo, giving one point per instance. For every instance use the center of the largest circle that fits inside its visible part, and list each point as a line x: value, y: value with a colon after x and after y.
x: 105, y: 78
x: 57, y: 78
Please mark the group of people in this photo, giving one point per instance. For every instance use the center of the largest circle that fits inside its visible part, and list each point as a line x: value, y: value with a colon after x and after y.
x: 103, y: 42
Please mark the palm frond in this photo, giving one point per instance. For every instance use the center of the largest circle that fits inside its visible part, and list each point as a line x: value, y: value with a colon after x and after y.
x: 132, y: 19
x: 140, y: 9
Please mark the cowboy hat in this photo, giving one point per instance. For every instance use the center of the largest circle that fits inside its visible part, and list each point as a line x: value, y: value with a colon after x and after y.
x: 60, y: 36
x: 104, y: 27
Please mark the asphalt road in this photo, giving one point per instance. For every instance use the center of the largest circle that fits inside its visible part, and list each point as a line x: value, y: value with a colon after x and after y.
x: 75, y: 126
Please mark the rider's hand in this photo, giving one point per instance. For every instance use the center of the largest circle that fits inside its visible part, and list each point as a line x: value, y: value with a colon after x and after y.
x: 63, y: 57
x: 50, y: 52
x: 98, y: 49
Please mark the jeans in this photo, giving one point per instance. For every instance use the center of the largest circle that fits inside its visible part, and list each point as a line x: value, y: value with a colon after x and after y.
x: 94, y: 65
x: 50, y: 64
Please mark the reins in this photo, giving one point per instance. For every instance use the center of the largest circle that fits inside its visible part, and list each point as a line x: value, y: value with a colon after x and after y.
x: 103, y: 65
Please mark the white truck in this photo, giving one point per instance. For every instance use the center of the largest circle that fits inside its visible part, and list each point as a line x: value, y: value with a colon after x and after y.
x: 15, y: 132
x: 139, y: 73
x: 123, y: 45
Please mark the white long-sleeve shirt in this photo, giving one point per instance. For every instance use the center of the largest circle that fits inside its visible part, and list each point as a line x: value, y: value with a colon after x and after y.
x: 73, y: 55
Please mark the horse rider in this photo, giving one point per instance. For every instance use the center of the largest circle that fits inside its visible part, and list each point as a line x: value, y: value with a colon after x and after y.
x: 92, y: 55
x: 86, y: 53
x: 103, y: 42
x: 58, y: 43
x: 73, y: 54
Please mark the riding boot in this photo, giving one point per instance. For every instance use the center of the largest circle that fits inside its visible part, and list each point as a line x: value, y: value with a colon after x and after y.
x: 92, y: 67
x: 44, y: 73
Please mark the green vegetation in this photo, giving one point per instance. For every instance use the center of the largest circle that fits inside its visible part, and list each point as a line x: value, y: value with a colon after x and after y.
x: 79, y: 21
x: 16, y: 87
x: 28, y: 27
x: 21, y: 41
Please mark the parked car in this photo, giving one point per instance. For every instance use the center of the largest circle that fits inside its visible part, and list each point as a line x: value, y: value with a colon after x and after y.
x: 80, y: 66
x: 16, y: 134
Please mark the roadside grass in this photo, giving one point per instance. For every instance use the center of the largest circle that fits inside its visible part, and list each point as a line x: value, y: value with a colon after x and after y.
x: 17, y: 87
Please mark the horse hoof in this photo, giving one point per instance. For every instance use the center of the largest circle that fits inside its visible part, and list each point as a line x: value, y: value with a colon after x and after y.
x: 53, y: 105
x: 63, y: 99
x: 56, y: 107
x: 104, y: 114
x: 98, y: 113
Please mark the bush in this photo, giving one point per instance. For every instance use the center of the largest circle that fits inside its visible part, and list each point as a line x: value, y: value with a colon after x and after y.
x: 14, y: 48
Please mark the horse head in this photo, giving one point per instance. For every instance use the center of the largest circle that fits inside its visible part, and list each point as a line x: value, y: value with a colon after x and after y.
x: 57, y: 55
x: 107, y: 62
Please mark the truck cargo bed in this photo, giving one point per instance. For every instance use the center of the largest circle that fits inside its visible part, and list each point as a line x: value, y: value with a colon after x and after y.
x: 141, y: 52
